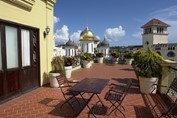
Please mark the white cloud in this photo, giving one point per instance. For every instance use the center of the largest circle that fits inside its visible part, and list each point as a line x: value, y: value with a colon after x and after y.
x: 56, y: 19
x: 166, y: 13
x: 61, y: 35
x: 76, y: 36
x: 137, y: 35
x: 114, y: 34
x: 97, y: 37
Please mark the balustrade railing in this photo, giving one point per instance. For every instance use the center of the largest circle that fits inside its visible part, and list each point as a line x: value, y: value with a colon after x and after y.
x: 173, y: 74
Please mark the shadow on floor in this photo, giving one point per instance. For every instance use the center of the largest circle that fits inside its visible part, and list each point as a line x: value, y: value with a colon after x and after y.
x: 127, y: 69
x: 66, y: 111
x: 134, y: 89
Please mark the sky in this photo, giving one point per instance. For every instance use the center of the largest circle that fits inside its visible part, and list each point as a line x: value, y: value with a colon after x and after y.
x: 118, y: 21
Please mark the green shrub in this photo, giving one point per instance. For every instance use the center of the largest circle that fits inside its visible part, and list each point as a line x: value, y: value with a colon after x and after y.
x: 149, y: 63
x: 99, y: 54
x: 115, y: 54
x: 128, y: 55
x: 68, y: 61
x: 87, y: 56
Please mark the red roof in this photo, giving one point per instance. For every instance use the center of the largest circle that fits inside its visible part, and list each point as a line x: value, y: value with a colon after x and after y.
x: 155, y: 22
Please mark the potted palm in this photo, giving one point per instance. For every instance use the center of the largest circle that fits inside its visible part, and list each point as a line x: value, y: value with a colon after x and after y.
x: 150, y: 69
x: 87, y: 58
x: 115, y: 56
x: 57, y: 64
x: 128, y: 57
x: 68, y: 62
x: 99, y: 56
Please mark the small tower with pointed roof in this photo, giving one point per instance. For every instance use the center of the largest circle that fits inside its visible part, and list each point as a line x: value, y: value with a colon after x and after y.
x: 70, y: 48
x: 104, y: 47
x: 154, y: 32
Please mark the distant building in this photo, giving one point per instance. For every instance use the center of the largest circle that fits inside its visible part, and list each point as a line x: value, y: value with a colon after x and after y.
x: 70, y: 48
x: 154, y: 32
x: 88, y: 41
x: 155, y: 37
x: 104, y: 47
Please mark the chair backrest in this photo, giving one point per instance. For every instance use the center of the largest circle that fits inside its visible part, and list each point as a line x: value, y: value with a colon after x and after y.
x: 126, y: 89
x: 63, y: 82
x: 173, y: 85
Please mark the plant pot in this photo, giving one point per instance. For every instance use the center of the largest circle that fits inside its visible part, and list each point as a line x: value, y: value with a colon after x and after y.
x: 147, y: 85
x: 53, y: 80
x: 86, y: 64
x: 129, y: 61
x: 115, y: 60
x: 68, y: 70
x: 100, y: 59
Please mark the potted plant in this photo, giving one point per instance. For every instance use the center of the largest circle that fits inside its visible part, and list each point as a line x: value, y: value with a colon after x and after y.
x: 68, y: 62
x: 57, y: 64
x: 87, y: 58
x: 128, y: 57
x: 115, y: 56
x: 99, y: 56
x: 150, y: 69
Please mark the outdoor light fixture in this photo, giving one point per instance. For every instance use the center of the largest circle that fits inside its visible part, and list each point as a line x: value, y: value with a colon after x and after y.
x: 47, y: 30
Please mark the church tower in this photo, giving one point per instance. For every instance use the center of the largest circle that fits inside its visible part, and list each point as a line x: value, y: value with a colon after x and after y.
x: 87, y: 40
x: 154, y: 32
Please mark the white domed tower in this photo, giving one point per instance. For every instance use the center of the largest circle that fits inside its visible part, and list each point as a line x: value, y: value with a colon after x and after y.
x: 104, y: 47
x: 154, y: 32
x: 87, y: 39
x: 70, y: 48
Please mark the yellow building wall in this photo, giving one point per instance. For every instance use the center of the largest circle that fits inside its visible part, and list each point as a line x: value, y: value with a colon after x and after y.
x: 40, y: 16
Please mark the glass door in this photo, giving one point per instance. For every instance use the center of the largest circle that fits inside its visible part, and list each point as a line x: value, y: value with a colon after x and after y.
x: 12, y: 64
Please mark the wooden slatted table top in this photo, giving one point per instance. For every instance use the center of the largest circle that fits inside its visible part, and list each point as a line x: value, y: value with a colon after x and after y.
x: 90, y: 85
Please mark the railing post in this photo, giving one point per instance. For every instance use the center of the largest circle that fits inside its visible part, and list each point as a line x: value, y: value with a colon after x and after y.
x: 166, y: 74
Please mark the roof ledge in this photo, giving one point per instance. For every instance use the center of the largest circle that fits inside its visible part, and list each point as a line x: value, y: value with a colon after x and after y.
x: 27, y: 4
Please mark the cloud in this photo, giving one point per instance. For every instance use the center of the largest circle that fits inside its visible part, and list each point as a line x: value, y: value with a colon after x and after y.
x: 97, y: 37
x: 114, y: 34
x: 166, y: 13
x: 169, y: 16
x: 75, y: 36
x: 137, y: 35
x: 61, y: 35
x: 56, y: 19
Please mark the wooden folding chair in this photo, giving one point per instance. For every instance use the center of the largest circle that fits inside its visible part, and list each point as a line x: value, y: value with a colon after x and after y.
x: 68, y: 95
x: 162, y: 100
x: 116, y: 97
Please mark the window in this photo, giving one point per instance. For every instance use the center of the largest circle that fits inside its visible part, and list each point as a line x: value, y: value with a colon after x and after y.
x: 92, y: 47
x: 171, y: 54
x: 0, y: 54
x: 11, y: 46
x: 25, y: 43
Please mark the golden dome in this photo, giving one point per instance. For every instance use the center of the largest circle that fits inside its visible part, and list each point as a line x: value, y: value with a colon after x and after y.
x: 86, y: 34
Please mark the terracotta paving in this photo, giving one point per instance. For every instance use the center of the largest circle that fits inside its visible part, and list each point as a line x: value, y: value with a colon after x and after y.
x: 45, y: 102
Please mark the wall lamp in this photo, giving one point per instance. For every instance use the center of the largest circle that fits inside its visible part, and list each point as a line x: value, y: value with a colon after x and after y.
x: 46, y: 32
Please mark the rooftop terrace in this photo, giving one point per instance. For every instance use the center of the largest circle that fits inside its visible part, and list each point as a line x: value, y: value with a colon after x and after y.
x: 45, y: 101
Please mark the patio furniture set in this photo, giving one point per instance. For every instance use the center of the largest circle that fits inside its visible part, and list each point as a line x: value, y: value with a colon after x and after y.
x: 115, y: 95
x: 93, y: 86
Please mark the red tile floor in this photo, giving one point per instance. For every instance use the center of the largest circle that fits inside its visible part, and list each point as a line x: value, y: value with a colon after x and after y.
x: 45, y: 101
